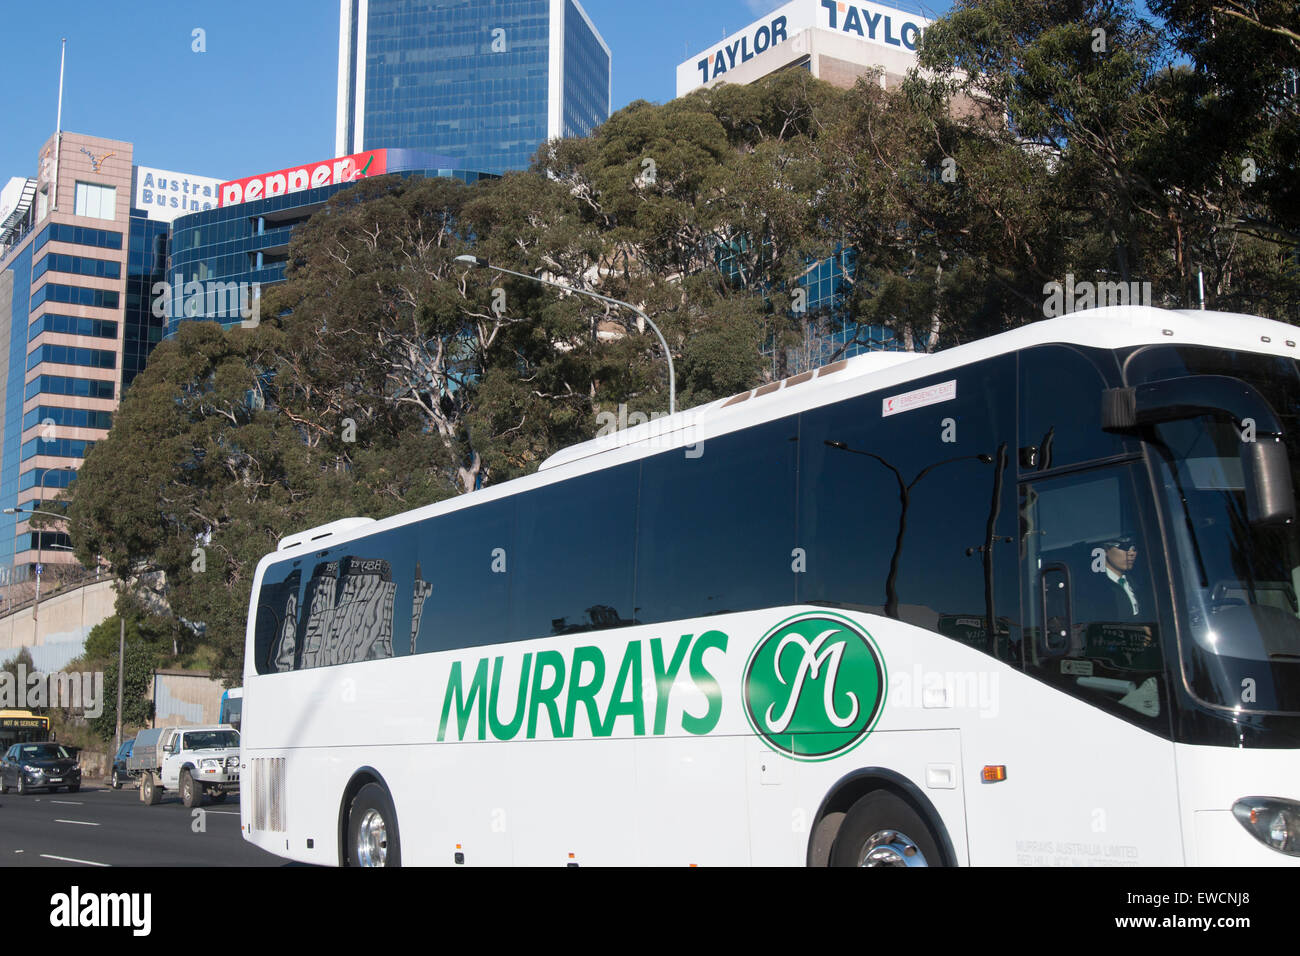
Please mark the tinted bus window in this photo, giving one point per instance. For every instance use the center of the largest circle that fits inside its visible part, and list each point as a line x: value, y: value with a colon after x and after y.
x: 571, y: 568
x: 715, y: 532
x: 896, y: 502
x: 467, y: 559
x: 1060, y: 407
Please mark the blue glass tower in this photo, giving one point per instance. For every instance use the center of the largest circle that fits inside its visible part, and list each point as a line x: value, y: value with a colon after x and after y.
x: 484, y: 81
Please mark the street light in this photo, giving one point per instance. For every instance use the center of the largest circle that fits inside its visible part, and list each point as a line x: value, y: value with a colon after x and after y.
x: 36, y: 603
x: 672, y: 375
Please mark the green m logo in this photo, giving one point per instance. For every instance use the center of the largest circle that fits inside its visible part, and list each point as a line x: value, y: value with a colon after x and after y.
x: 814, y: 686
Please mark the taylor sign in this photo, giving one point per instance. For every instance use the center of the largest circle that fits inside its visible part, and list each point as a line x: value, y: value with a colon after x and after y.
x: 327, y: 172
x: 870, y: 22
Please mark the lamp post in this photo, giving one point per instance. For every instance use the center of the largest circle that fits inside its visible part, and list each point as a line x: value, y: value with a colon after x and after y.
x: 672, y: 374
x: 36, y: 603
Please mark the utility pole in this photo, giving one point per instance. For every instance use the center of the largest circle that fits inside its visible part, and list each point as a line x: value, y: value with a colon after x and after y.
x: 121, y: 666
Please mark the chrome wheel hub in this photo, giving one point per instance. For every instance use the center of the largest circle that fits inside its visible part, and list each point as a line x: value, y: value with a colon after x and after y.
x: 891, y: 848
x: 372, y: 840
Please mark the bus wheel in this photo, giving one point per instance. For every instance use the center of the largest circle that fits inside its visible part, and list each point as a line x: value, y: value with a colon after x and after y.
x: 372, y: 829
x: 882, y: 830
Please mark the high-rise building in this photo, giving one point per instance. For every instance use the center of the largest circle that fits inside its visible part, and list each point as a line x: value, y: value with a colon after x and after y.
x: 834, y: 41
x: 483, y: 81
x: 80, y: 244
x: 219, y: 260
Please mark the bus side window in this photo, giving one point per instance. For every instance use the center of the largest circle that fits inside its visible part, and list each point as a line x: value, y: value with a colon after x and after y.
x: 716, y: 525
x: 466, y: 557
x: 276, y: 624
x: 1060, y: 407
x: 590, y: 523
x: 909, y: 512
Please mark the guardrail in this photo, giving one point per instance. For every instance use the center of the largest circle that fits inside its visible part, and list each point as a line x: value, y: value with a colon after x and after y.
x: 66, y: 583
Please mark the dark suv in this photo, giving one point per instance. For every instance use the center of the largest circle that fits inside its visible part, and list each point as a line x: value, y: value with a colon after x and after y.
x: 39, y: 766
x: 122, y: 776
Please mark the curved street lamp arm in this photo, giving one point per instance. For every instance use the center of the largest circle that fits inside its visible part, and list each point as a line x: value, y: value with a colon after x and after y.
x: 672, y: 375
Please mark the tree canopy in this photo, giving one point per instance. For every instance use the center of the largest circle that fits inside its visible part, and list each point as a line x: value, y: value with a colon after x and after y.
x: 1040, y: 138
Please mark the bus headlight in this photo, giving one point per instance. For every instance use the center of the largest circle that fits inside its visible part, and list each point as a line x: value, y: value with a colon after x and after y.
x: 1272, y: 821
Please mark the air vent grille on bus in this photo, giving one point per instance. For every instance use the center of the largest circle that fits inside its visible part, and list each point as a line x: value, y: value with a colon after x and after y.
x: 268, y: 794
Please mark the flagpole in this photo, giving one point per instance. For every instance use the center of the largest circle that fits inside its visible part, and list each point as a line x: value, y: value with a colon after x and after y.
x: 58, y: 130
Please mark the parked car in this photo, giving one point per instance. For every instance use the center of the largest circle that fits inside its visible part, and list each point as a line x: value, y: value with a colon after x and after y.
x: 122, y: 776
x: 44, y: 765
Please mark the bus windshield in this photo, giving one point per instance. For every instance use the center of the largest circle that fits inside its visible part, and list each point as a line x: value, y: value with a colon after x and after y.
x: 21, y: 726
x: 1237, y: 583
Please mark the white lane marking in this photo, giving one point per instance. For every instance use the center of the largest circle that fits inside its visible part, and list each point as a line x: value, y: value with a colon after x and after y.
x: 80, y: 823
x: 68, y: 803
x: 68, y: 859
x: 226, y: 813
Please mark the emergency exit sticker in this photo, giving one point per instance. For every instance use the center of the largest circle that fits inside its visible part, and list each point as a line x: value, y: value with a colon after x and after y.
x: 930, y: 395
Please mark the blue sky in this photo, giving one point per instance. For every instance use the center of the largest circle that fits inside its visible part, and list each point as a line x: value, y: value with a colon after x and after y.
x: 262, y: 97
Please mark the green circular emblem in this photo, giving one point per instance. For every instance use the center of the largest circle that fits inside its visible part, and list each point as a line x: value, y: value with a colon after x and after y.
x: 814, y: 686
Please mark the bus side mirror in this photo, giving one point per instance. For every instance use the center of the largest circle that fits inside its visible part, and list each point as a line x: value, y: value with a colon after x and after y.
x: 1270, y: 496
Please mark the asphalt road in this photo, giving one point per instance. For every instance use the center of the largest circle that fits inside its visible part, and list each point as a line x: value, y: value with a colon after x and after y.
x: 99, y: 826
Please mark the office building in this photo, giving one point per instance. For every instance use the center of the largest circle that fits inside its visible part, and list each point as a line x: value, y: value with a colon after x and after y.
x: 80, y: 244
x: 486, y: 82
x: 220, y: 259
x: 834, y: 41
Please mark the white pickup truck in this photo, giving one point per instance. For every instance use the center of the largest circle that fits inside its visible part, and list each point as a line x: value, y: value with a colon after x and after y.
x: 193, y: 760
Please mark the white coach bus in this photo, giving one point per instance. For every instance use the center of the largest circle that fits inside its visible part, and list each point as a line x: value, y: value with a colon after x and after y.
x: 1031, y: 600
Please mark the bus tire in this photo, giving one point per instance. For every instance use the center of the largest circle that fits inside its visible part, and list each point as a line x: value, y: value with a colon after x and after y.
x: 191, y: 791
x: 372, y: 829
x: 149, y: 794
x: 882, y: 829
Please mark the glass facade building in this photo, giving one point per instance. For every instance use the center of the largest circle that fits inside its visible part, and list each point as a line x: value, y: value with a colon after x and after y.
x: 146, y: 264
x: 246, y: 246
x: 486, y: 81
x: 78, y: 259
x: 830, y: 332
x: 63, y: 269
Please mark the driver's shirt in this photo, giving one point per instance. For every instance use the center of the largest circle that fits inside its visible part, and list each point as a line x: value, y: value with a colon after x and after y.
x: 1123, y: 582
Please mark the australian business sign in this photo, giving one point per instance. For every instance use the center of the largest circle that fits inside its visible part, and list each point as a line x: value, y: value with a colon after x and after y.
x: 327, y: 172
x: 869, y: 22
x: 163, y: 195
